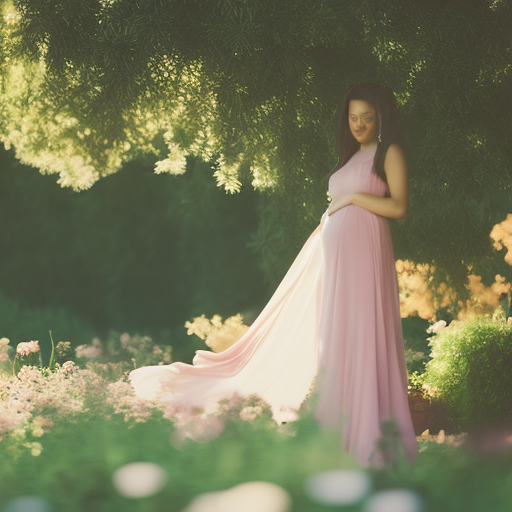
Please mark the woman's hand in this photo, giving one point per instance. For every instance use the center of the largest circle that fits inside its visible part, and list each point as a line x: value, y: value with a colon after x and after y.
x: 339, y: 204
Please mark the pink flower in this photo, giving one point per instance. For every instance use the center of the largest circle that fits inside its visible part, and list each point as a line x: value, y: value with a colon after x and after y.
x: 88, y: 351
x: 28, y: 347
x: 251, y: 413
x: 13, y: 413
x: 200, y: 429
x: 121, y: 396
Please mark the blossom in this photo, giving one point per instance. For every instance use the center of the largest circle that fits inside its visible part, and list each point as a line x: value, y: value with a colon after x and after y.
x: 13, y: 413
x: 441, y: 437
x: 29, y: 397
x: 40, y: 424
x: 63, y: 349
x: 199, y: 428
x: 251, y: 413
x: 416, y: 291
x: 218, y: 335
x: 28, y: 347
x: 125, y: 340
x: 121, y: 396
x: 34, y: 447
x: 438, y: 326
x: 4, y: 348
x: 502, y: 237
x: 88, y: 351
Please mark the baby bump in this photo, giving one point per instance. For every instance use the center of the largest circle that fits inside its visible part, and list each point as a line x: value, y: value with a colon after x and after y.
x: 355, y: 234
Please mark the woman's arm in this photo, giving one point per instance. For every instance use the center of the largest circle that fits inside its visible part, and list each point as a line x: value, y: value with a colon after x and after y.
x: 395, y: 206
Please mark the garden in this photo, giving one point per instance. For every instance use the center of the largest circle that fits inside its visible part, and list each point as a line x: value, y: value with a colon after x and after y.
x: 75, y: 437
x: 162, y: 164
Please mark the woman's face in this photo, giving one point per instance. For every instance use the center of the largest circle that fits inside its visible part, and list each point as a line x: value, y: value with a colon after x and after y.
x: 362, y: 121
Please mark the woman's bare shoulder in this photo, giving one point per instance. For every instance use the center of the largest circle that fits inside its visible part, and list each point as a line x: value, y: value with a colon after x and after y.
x: 394, y: 152
x: 395, y: 158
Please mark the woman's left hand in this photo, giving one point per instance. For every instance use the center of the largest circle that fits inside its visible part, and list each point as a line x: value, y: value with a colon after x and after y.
x: 339, y: 204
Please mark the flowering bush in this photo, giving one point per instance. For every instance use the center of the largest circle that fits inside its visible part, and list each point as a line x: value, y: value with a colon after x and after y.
x: 130, y: 351
x: 32, y: 396
x: 35, y: 398
x: 217, y: 335
x: 420, y: 294
x: 84, y: 415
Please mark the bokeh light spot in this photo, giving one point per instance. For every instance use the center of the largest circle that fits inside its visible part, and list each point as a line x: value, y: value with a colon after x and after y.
x: 27, y: 504
x: 246, y: 497
x: 394, y: 500
x: 139, y: 479
x: 338, y: 487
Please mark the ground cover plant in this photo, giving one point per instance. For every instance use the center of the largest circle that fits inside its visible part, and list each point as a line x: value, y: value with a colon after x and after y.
x: 75, y: 437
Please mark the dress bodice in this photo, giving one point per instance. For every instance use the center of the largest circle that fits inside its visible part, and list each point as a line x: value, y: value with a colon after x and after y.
x: 357, y: 176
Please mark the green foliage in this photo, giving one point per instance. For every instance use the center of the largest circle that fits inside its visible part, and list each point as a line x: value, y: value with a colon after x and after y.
x: 20, y: 322
x: 470, y: 371
x: 448, y: 478
x: 251, y: 87
x: 415, y: 343
x: 90, y: 421
x: 136, y: 253
x: 96, y: 447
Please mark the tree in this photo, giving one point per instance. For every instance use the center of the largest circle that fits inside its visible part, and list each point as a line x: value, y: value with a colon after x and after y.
x: 251, y: 87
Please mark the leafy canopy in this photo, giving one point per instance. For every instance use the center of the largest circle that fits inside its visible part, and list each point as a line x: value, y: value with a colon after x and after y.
x: 251, y: 87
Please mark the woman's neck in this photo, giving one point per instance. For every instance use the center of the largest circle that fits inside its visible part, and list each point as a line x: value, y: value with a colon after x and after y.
x: 368, y: 145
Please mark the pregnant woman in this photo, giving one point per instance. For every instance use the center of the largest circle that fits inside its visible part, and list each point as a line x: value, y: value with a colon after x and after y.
x: 335, y: 315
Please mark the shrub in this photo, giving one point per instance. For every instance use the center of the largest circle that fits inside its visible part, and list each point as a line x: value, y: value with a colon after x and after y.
x: 470, y: 370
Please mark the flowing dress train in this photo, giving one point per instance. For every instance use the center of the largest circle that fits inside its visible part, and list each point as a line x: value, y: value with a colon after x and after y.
x: 336, y: 316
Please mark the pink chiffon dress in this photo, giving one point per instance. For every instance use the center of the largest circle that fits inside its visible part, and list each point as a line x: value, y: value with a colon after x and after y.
x: 332, y: 330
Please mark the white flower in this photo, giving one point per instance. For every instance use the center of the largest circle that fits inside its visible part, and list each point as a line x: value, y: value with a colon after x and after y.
x: 88, y: 351
x: 27, y: 347
x: 438, y: 326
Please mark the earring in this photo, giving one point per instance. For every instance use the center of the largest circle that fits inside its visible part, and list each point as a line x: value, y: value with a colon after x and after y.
x: 379, y: 138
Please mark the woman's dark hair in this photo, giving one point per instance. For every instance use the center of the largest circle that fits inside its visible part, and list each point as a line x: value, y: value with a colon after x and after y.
x: 386, y: 111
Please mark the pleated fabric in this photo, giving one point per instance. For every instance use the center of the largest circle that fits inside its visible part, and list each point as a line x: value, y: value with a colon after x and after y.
x: 362, y: 372
x: 335, y: 316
